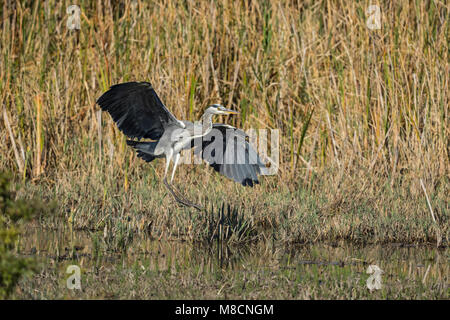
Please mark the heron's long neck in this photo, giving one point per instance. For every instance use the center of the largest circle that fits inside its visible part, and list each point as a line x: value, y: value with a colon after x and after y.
x: 206, y: 122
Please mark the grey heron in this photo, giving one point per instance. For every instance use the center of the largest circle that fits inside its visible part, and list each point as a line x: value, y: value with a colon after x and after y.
x: 139, y: 114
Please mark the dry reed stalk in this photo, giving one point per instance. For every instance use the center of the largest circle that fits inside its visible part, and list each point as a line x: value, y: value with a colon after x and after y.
x: 436, y: 225
x: 233, y: 86
x: 38, y: 147
x: 99, y: 134
x: 13, y: 142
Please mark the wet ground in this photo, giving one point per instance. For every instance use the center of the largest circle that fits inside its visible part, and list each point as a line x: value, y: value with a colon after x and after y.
x: 173, y: 269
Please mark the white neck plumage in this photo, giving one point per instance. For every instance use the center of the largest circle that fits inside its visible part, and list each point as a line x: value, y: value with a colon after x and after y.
x: 206, y: 123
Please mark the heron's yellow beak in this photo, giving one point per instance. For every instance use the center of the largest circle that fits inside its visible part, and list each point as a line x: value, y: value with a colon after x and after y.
x: 229, y: 111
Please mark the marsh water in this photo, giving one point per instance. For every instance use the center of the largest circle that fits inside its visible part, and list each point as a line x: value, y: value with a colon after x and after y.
x: 145, y: 268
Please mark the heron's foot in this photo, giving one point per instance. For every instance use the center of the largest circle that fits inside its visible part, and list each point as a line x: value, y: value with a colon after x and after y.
x: 181, y: 199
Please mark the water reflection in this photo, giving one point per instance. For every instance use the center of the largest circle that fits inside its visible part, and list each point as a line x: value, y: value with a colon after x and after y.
x: 400, y: 263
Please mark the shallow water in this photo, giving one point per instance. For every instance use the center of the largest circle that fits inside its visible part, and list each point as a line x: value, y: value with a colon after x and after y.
x: 274, y: 271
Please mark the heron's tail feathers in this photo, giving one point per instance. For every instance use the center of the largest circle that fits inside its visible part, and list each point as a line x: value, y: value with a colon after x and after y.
x: 133, y: 143
x: 144, y: 150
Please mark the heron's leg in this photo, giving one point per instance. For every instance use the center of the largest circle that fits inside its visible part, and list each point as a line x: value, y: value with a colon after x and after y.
x: 175, y: 163
x: 179, y: 198
x: 168, y: 158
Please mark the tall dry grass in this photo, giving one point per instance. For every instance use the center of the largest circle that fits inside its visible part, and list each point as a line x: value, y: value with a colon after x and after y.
x: 355, y: 106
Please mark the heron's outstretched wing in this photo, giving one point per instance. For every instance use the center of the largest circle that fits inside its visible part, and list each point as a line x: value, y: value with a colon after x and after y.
x: 239, y: 160
x: 137, y: 110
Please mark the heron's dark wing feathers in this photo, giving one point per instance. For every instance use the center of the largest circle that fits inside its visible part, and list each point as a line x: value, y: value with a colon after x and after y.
x: 144, y: 150
x: 240, y: 161
x: 137, y: 110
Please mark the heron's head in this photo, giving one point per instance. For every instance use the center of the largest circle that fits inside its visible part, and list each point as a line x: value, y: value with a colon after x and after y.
x: 219, y: 109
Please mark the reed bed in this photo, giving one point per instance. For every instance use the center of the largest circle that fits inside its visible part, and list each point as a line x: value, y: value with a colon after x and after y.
x: 363, y: 114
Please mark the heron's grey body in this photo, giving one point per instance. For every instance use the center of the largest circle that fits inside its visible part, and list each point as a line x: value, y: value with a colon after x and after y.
x: 139, y: 113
